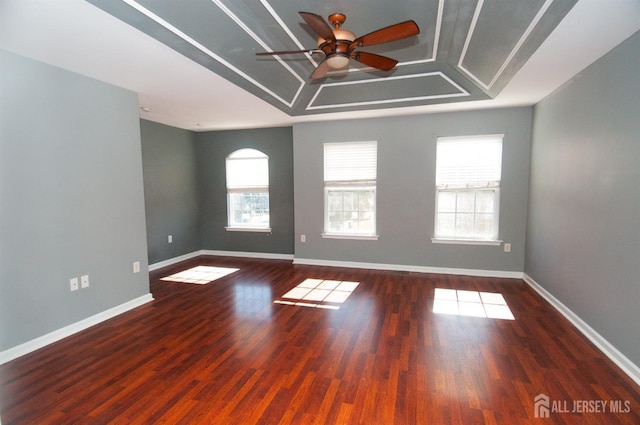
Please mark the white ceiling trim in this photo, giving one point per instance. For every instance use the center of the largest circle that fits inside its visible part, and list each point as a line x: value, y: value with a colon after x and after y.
x: 286, y: 29
x: 436, y: 39
x: 462, y: 91
x: 513, y: 52
x: 258, y: 40
x: 214, y: 56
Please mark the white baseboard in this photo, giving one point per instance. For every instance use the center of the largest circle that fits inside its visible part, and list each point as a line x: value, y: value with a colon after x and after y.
x: 37, y: 343
x: 175, y: 260
x: 598, y: 340
x: 409, y: 268
x: 332, y: 263
x: 264, y: 255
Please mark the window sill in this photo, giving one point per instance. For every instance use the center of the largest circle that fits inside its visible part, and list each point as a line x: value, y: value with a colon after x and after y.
x: 466, y: 241
x: 347, y: 236
x: 248, y: 229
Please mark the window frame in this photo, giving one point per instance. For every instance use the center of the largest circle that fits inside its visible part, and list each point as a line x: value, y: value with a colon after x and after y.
x: 367, y: 184
x: 233, y: 226
x: 475, y: 187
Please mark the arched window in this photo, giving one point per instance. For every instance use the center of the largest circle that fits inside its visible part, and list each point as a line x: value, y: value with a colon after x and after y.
x: 248, y: 190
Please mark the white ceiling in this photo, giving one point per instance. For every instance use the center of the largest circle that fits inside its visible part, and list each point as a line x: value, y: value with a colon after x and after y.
x: 77, y: 36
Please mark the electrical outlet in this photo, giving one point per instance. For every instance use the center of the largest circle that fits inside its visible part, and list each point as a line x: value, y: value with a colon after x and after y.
x: 136, y: 267
x: 73, y: 284
x: 303, y: 238
x: 84, y: 281
x: 507, y: 247
x: 170, y: 238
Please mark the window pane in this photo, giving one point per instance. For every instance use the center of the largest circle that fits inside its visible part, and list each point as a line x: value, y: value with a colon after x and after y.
x: 485, y: 201
x: 464, y: 225
x: 446, y: 225
x: 484, y: 225
x: 249, y: 209
x: 446, y: 202
x: 366, y: 222
x: 334, y: 200
x: 336, y: 220
x: 465, y: 202
x: 366, y: 201
x: 349, y: 199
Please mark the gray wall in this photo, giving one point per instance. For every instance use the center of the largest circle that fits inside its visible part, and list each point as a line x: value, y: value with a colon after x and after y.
x: 212, y: 148
x: 72, y: 198
x: 406, y: 189
x: 170, y: 190
x: 583, y: 236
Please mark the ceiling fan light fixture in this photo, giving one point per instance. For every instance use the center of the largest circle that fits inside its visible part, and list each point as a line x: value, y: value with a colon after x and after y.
x: 337, y: 61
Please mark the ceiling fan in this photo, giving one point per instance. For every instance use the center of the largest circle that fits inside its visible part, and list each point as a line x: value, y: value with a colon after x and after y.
x: 339, y: 45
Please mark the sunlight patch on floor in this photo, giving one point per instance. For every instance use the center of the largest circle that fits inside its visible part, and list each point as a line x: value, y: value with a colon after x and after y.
x: 319, y: 293
x: 471, y: 303
x: 200, y: 275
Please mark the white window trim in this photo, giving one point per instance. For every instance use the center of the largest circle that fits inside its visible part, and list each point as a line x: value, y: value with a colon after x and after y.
x: 350, y: 236
x: 484, y: 242
x: 248, y: 229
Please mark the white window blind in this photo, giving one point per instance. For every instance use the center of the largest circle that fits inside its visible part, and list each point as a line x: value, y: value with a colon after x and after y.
x: 471, y: 162
x: 350, y: 161
x: 247, y: 169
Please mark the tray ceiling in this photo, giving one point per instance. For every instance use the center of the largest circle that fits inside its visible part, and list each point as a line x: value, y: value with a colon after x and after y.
x: 467, y: 50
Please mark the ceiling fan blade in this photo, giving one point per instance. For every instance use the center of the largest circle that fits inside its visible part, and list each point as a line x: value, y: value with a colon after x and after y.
x: 289, y: 52
x: 387, y: 34
x: 318, y: 24
x: 321, y: 70
x: 382, y: 63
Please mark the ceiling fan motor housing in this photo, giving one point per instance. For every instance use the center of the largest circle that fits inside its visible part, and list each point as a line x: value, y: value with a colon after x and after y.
x: 337, y: 52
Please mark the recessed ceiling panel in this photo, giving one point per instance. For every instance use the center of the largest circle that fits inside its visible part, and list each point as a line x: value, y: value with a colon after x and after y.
x: 489, y: 46
x: 466, y: 49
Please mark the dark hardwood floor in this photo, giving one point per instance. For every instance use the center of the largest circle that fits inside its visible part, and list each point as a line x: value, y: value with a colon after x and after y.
x: 225, y: 353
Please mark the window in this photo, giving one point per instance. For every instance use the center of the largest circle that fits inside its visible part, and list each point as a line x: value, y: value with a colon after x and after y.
x: 248, y: 190
x: 350, y: 189
x: 468, y: 171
